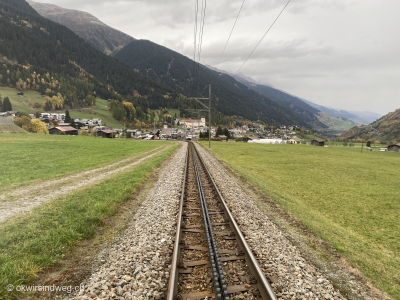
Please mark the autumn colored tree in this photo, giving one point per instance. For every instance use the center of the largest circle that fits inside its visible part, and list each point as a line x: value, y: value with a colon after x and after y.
x: 34, y: 126
x: 84, y: 132
x: 38, y: 126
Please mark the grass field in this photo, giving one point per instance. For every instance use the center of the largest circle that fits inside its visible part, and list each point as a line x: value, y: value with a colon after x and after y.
x: 100, y: 111
x: 22, y: 104
x: 11, y: 128
x: 25, y: 104
x: 31, y: 242
x: 32, y: 157
x: 349, y: 199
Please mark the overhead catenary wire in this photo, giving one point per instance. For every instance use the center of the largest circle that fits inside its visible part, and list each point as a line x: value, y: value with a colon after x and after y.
x: 196, y: 9
x: 223, y: 51
x: 262, y: 38
x: 202, y: 21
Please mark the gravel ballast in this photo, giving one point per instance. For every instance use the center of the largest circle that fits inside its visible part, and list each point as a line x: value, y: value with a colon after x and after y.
x: 137, y: 264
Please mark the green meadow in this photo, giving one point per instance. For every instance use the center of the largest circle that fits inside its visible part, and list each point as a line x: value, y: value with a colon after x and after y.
x: 350, y: 199
x: 32, y: 242
x: 33, y: 157
x: 25, y: 104
x: 11, y: 128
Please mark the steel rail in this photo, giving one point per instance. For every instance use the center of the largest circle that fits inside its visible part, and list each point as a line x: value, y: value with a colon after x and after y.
x: 221, y: 291
x: 262, y: 284
x: 173, y: 279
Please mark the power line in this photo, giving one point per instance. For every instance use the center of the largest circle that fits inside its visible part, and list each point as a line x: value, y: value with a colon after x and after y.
x: 262, y: 38
x: 196, y: 9
x: 202, y: 18
x: 223, y: 51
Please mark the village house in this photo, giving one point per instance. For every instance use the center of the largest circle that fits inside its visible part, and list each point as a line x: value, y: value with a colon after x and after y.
x: 13, y: 113
x: 192, y: 123
x: 318, y: 142
x: 63, y: 130
x: 52, y: 116
x: 294, y: 140
x: 394, y: 147
x: 106, y: 133
x: 222, y: 138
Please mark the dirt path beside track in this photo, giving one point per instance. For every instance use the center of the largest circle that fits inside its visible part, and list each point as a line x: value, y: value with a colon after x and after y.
x: 25, y: 198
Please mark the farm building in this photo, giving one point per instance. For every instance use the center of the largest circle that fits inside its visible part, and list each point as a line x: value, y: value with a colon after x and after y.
x: 13, y: 113
x: 222, y: 138
x: 63, y: 130
x: 294, y: 140
x: 267, y: 141
x: 249, y: 138
x: 106, y: 133
x: 318, y: 142
x: 394, y: 147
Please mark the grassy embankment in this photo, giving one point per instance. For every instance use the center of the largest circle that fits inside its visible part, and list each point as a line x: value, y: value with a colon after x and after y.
x: 31, y: 242
x: 11, y: 128
x: 349, y: 199
x: 25, y: 104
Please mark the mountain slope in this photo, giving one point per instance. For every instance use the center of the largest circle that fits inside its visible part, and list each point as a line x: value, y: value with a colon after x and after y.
x: 40, y: 54
x: 175, y: 70
x: 318, y: 120
x: 298, y: 107
x: 358, y: 117
x: 385, y: 129
x: 101, y: 36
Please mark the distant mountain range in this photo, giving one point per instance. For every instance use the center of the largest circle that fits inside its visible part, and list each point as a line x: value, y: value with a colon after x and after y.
x: 101, y: 36
x: 358, y: 117
x: 386, y: 129
x: 241, y: 97
x: 298, y: 105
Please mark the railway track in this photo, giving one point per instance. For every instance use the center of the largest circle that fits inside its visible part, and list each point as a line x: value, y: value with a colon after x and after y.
x: 211, y: 258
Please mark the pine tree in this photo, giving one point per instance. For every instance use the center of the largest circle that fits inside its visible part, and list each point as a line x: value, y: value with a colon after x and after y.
x: 1, y: 105
x: 219, y: 131
x: 227, y: 133
x: 67, y: 117
x: 7, y: 104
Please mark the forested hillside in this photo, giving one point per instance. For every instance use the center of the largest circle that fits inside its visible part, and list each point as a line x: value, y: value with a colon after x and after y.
x: 385, y: 129
x: 298, y: 107
x: 177, y: 71
x: 39, y: 54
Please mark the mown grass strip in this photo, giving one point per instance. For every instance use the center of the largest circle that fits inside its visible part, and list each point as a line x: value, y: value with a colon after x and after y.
x: 348, y: 198
x: 34, y: 241
x: 29, y: 157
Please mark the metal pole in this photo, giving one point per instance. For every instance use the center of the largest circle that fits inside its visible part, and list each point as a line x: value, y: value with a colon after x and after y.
x: 209, y: 117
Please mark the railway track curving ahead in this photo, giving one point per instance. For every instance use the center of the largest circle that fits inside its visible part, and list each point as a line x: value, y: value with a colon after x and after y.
x: 211, y: 258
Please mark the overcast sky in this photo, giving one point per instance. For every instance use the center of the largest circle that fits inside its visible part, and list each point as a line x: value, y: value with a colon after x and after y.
x: 338, y: 53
